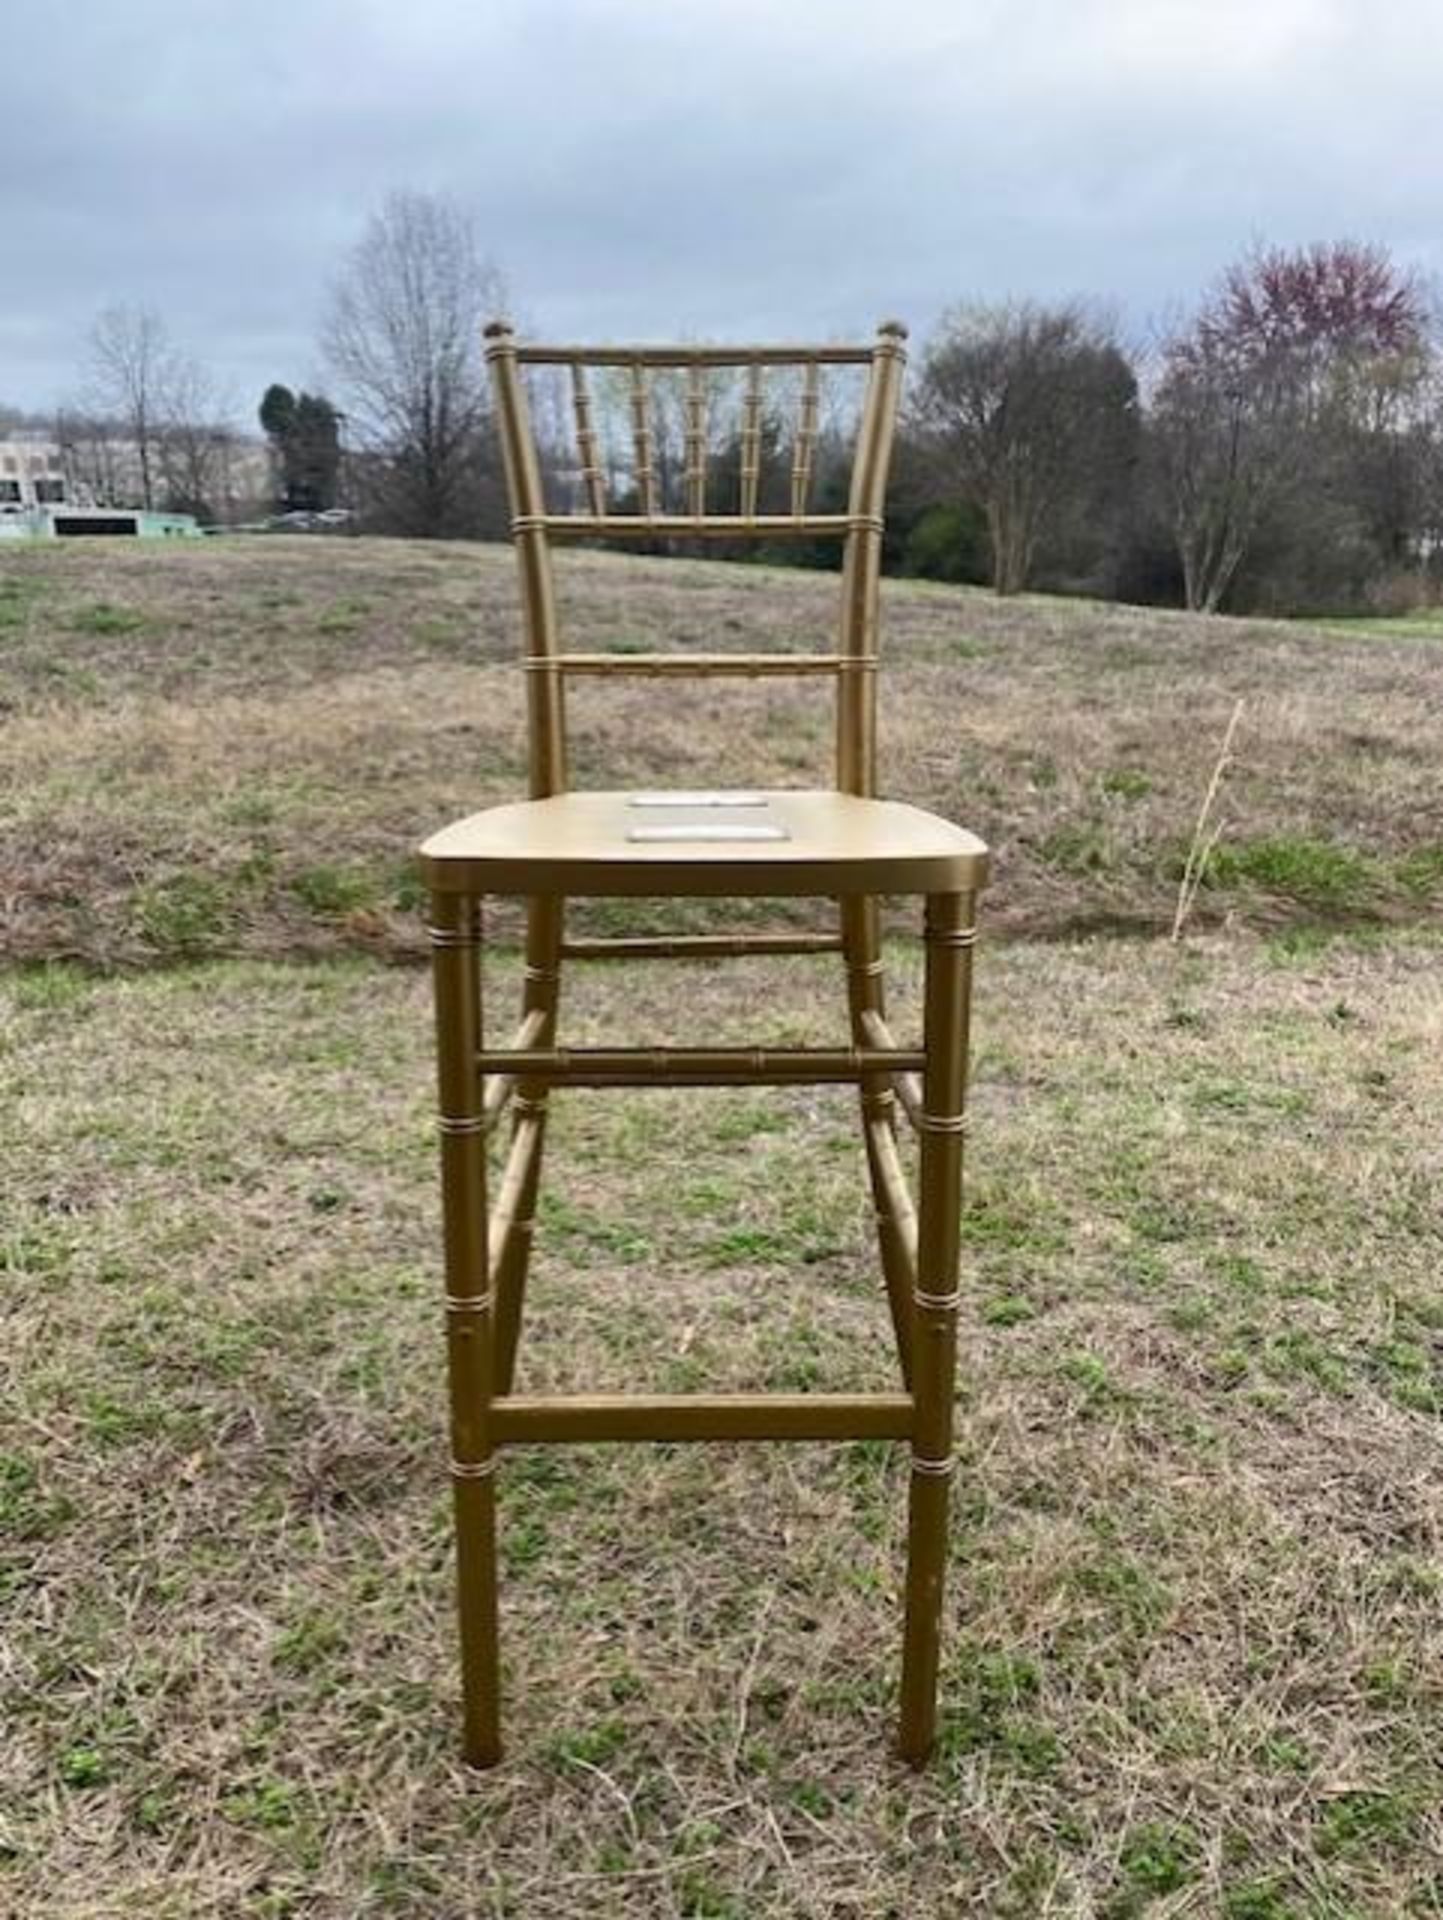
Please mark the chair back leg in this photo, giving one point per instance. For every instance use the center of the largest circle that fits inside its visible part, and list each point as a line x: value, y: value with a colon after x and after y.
x: 516, y: 1210
x: 862, y: 946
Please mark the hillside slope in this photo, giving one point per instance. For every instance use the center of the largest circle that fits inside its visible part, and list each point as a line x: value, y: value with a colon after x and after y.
x: 235, y: 747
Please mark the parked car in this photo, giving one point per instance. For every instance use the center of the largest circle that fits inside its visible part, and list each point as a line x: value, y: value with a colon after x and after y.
x: 302, y: 520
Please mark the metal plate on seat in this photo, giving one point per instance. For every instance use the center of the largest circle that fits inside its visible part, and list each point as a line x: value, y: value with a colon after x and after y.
x: 709, y: 830
x: 710, y: 799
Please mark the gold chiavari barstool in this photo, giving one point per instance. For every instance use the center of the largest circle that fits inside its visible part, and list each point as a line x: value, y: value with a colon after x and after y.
x: 841, y: 844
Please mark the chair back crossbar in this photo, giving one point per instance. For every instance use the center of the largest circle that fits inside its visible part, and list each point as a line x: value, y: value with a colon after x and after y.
x: 676, y: 480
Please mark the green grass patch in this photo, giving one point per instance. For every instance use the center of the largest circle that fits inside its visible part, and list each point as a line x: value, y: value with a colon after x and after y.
x: 1127, y: 783
x: 1125, y: 1588
x: 343, y: 617
x: 105, y: 617
x: 805, y: 1238
x: 1323, y: 874
x: 1425, y: 624
x: 588, y: 1746
x: 579, y: 1226
x: 50, y: 986
x: 1421, y: 871
x: 1365, y: 1821
x: 993, y: 1709
x: 1156, y: 1859
x: 1007, y: 1310
x: 1079, y: 847
x: 83, y: 1767
x: 18, y: 596
x: 332, y: 892
x: 1000, y: 1220
x: 1264, y: 1899
x: 185, y: 916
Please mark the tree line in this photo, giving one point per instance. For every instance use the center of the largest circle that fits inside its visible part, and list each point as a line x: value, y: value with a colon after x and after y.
x: 1279, y: 449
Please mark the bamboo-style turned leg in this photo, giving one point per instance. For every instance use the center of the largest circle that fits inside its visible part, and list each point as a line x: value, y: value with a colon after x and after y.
x: 544, y: 921
x: 863, y: 948
x: 949, y: 935
x: 455, y: 936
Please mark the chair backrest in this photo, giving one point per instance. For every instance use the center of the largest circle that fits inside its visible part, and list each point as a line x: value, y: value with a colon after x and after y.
x: 644, y: 512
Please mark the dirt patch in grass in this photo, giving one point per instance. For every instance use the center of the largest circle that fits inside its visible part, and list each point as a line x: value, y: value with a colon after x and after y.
x: 235, y: 747
x: 1193, y: 1644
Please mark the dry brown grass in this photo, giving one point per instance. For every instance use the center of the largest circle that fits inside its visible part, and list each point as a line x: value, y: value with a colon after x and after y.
x: 1194, y: 1646
x: 1194, y: 1624
x: 234, y: 748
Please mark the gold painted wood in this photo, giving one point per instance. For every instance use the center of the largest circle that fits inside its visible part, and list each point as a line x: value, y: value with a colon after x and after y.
x: 862, y: 563
x: 906, y: 1086
x: 456, y: 973
x: 512, y: 1223
x: 591, y: 473
x: 900, y: 1213
x: 689, y: 526
x: 701, y: 1066
x: 842, y: 844
x: 499, y: 1091
x: 577, y: 843
x: 546, y: 724
x: 696, y: 946
x: 534, y: 354
x: 806, y: 439
x: 695, y: 441
x: 642, y: 443
x: 950, y: 932
x: 700, y: 666
x: 545, y: 930
x: 704, y: 1416
x: 751, y: 441
x: 896, y: 1235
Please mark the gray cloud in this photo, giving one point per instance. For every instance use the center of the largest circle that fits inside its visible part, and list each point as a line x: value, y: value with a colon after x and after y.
x: 636, y: 170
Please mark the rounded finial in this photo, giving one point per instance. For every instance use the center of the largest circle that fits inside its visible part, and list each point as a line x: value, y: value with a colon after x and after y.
x: 894, y: 329
x: 497, y: 329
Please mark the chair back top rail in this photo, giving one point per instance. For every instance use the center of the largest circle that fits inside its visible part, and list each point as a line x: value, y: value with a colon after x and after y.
x: 531, y: 354
x: 695, y: 526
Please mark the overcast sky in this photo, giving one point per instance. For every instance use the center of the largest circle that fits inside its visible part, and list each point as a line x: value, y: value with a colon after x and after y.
x: 637, y: 168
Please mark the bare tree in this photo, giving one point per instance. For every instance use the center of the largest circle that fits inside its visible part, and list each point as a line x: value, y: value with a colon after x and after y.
x: 194, y: 447
x: 132, y: 369
x: 1017, y: 404
x: 151, y: 428
x: 403, y: 337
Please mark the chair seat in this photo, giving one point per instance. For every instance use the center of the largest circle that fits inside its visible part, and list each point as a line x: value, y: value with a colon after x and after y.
x: 780, y: 843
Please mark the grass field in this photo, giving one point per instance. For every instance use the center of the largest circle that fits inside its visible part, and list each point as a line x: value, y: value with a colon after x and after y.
x: 1195, y: 1625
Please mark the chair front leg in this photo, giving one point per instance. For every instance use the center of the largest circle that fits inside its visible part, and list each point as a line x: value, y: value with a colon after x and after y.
x: 456, y: 968
x: 950, y: 934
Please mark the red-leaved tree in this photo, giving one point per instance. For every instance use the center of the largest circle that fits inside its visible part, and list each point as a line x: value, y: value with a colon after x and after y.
x: 1292, y: 353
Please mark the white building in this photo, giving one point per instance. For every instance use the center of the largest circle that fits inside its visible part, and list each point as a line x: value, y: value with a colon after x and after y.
x: 92, y: 466
x: 42, y: 497
x: 32, y: 473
